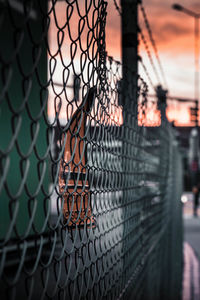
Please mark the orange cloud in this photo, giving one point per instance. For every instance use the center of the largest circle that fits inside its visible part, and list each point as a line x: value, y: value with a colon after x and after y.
x: 172, y: 30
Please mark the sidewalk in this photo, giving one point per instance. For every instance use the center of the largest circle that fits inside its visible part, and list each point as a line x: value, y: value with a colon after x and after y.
x: 191, y: 286
x: 191, y: 277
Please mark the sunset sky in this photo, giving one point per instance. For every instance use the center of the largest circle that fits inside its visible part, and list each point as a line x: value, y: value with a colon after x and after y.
x: 173, y: 33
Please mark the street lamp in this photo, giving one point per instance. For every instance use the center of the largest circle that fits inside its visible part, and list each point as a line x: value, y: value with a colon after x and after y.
x: 196, y: 37
x: 194, y: 135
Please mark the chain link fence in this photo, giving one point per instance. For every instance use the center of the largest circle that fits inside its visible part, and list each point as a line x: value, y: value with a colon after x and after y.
x: 90, y: 197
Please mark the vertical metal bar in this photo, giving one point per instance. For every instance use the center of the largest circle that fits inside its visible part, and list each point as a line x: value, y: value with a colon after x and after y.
x: 129, y: 25
x: 196, y: 113
x: 162, y: 101
x: 129, y: 31
x: 196, y: 37
x: 196, y: 34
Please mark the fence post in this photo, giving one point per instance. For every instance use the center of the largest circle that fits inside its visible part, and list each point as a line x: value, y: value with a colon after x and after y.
x: 162, y: 101
x: 128, y: 100
x: 129, y: 25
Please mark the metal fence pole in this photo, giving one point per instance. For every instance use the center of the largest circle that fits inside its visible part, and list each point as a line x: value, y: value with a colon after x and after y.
x: 129, y: 31
x: 162, y: 101
x: 129, y: 25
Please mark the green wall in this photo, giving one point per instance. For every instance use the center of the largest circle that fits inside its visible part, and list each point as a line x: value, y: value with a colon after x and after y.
x: 23, y: 100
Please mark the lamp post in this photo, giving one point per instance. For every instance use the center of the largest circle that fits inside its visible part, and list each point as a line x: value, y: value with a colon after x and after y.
x: 196, y: 17
x: 194, y: 134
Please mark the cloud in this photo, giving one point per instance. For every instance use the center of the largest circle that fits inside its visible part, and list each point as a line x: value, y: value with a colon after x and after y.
x: 172, y: 30
x: 196, y: 5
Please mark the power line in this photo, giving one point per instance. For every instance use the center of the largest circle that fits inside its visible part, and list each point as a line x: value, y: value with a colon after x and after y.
x: 149, y: 54
x: 147, y: 73
x: 147, y: 48
x: 153, y: 42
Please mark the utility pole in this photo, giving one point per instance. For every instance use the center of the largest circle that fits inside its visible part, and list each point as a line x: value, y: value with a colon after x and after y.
x: 196, y: 40
x: 196, y: 17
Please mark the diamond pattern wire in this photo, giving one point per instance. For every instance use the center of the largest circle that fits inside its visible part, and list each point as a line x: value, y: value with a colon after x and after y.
x: 89, y: 196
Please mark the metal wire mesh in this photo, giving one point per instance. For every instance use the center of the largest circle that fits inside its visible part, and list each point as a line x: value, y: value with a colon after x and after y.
x: 87, y: 190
